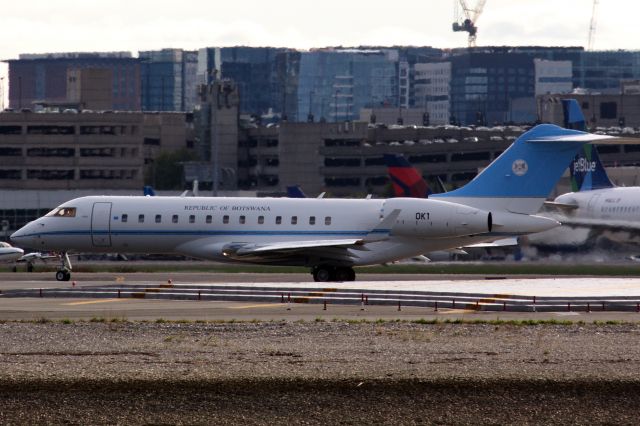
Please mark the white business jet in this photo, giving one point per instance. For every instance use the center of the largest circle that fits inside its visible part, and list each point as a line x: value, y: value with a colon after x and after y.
x: 330, y: 236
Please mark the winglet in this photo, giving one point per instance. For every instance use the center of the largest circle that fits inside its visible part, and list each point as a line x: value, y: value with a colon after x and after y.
x: 381, y: 232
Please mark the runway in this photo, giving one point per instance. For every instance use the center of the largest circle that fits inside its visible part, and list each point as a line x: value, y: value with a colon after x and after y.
x: 273, y: 297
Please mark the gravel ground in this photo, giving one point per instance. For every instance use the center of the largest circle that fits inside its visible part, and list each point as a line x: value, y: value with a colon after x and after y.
x: 318, y: 373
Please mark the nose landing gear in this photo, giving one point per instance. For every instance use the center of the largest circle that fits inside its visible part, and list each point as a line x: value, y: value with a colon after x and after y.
x: 64, y: 270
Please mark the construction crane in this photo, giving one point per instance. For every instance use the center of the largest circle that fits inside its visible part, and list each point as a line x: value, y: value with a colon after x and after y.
x: 471, y: 16
x: 592, y: 25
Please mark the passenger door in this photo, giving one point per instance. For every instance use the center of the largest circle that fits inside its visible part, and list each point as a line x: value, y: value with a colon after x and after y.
x: 101, y: 224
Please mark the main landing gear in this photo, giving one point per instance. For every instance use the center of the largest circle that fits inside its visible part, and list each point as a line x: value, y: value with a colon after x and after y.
x: 324, y: 273
x: 64, y: 270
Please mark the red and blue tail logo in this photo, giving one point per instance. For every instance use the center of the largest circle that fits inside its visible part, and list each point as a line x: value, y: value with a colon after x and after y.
x: 407, y: 181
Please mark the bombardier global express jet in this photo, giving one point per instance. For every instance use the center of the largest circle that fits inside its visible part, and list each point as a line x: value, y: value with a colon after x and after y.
x: 330, y: 236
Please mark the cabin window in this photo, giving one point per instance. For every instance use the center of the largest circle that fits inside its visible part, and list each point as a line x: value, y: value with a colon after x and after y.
x: 158, y: 218
x: 174, y: 219
x: 312, y: 220
x: 242, y: 220
x: 140, y: 218
x: 225, y: 219
x: 125, y: 217
x: 192, y: 218
x: 208, y: 219
x: 260, y: 220
x: 327, y: 220
x: 294, y: 220
x: 278, y: 220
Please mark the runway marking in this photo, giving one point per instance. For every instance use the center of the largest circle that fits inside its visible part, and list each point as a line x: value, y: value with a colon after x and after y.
x: 256, y: 306
x: 89, y: 302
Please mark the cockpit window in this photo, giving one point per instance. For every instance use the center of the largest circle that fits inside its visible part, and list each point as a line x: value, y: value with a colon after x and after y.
x: 63, y: 212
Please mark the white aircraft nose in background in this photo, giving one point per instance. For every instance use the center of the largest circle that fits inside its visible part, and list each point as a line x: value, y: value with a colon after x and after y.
x: 9, y: 253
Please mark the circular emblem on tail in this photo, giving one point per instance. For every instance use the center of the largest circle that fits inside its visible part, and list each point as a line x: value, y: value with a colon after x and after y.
x: 519, y: 167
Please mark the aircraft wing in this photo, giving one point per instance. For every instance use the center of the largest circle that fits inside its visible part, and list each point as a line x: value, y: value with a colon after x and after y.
x: 603, y: 224
x: 504, y: 242
x: 30, y: 257
x: 328, y: 249
x: 335, y: 250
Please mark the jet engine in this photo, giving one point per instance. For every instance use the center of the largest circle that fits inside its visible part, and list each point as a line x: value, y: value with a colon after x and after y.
x: 437, y: 219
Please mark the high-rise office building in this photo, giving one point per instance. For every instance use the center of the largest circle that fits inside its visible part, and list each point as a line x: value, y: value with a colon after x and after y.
x: 168, y: 79
x: 43, y: 78
x: 334, y: 84
x: 250, y: 68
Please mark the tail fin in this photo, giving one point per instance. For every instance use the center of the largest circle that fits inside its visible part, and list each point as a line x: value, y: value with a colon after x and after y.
x: 294, y: 191
x: 573, y: 116
x: 521, y: 178
x: 587, y: 171
x: 407, y: 181
x: 148, y: 191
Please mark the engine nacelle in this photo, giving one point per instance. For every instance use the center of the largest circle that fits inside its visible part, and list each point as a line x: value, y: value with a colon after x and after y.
x: 437, y: 219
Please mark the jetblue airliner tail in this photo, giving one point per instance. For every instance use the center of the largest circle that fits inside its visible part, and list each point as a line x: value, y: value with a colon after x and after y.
x: 523, y: 176
x: 587, y: 171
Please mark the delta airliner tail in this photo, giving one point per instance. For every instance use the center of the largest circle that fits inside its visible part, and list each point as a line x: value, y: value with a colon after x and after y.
x: 407, y: 181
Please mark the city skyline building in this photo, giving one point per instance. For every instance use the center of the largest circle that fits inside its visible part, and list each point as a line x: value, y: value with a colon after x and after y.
x: 37, y: 78
x: 168, y: 80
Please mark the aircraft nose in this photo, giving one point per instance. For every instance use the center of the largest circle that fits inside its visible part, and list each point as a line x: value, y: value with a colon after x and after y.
x: 23, y: 235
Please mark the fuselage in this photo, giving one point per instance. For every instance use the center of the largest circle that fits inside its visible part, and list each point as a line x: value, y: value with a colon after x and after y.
x: 205, y: 227
x: 604, y: 206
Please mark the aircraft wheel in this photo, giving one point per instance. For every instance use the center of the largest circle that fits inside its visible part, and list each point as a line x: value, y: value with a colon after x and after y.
x: 322, y: 274
x: 29, y: 267
x: 344, y: 274
x: 67, y: 275
x: 352, y: 275
x: 61, y: 275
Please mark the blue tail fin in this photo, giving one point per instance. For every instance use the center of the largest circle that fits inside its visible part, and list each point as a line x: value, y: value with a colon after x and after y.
x: 528, y: 169
x: 148, y: 191
x: 573, y: 116
x: 587, y: 171
x: 294, y: 191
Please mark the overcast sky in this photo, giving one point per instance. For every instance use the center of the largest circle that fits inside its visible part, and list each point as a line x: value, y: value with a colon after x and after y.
x: 34, y: 26
x: 37, y: 26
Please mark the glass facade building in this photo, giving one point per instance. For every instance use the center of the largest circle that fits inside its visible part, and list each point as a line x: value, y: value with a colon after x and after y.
x: 602, y: 71
x: 333, y: 85
x: 168, y: 80
x: 251, y: 69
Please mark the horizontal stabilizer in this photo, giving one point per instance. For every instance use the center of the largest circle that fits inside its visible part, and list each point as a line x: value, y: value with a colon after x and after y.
x: 584, y: 137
